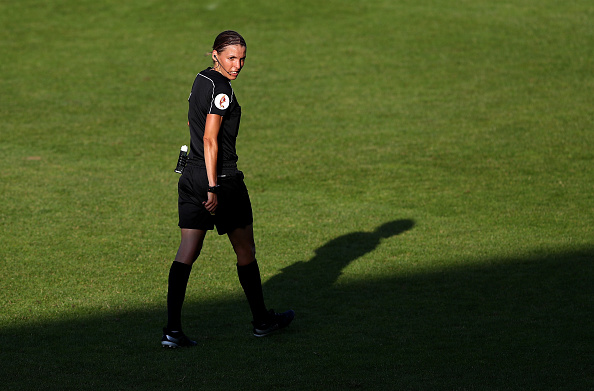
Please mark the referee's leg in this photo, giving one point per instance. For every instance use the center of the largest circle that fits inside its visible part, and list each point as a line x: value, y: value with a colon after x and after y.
x: 190, y: 245
x: 179, y: 273
x: 248, y: 271
x: 242, y: 240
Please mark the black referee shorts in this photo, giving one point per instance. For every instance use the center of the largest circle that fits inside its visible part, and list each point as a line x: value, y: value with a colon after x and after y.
x: 234, y: 209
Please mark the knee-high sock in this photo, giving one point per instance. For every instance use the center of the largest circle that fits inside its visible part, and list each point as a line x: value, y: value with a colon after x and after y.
x: 249, y: 278
x: 179, y: 273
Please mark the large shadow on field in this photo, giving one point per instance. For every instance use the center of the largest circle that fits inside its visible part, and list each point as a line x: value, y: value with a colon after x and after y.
x: 314, y: 277
x: 516, y: 323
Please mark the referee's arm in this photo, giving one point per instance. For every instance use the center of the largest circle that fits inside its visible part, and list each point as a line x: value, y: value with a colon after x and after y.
x: 211, y: 152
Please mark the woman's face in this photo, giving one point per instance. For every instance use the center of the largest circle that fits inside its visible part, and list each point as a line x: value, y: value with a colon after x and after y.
x: 229, y: 61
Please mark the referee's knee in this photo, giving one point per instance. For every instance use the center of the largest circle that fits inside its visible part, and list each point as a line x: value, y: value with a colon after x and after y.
x: 246, y: 256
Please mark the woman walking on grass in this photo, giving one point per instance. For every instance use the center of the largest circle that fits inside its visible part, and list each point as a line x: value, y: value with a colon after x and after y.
x: 212, y: 192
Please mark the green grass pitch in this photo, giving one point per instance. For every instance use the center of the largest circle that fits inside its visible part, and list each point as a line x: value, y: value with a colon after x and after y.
x: 421, y: 174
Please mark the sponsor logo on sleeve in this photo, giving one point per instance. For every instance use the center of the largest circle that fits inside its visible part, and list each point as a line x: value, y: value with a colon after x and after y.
x: 221, y: 101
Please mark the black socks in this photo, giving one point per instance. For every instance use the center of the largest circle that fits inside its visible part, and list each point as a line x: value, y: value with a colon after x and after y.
x: 179, y: 273
x: 249, y: 278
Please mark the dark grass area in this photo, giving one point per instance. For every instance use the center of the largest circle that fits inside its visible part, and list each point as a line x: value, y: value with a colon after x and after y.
x: 503, y: 324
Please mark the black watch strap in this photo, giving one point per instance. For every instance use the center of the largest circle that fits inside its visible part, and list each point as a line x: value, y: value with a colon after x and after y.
x: 213, y: 189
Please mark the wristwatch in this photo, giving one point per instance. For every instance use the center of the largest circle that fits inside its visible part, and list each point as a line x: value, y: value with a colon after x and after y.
x: 213, y: 189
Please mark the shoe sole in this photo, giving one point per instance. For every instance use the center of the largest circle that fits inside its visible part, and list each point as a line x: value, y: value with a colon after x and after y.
x: 173, y: 345
x: 275, y: 328
x: 268, y: 332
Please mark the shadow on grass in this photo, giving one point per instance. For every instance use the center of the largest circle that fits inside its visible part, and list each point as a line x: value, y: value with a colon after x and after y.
x: 499, y: 325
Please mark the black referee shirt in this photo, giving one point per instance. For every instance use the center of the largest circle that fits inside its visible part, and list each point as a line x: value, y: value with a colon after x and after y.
x: 212, y: 94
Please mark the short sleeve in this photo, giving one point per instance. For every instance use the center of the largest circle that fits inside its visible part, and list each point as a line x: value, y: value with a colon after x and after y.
x: 221, y: 99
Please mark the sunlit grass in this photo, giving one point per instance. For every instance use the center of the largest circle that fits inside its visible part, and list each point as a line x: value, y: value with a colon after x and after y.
x: 468, y: 123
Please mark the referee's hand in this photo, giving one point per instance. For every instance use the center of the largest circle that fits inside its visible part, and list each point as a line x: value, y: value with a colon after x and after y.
x: 211, y: 203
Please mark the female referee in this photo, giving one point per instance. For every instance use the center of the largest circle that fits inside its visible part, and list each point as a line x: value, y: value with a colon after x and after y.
x: 212, y: 192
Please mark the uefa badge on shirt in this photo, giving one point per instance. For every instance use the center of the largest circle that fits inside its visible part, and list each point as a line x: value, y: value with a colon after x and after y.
x: 221, y: 101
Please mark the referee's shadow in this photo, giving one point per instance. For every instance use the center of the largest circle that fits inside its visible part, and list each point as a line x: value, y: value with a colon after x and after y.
x: 304, y: 283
